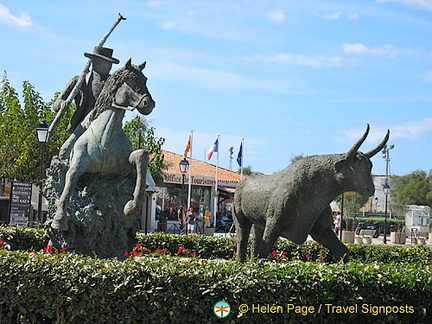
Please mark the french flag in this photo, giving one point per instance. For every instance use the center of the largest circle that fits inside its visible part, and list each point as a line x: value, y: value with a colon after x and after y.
x: 213, y: 148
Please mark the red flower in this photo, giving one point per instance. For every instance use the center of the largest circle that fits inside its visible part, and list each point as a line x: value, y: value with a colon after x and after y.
x: 133, y: 253
x: 274, y: 252
x: 1, y: 240
x: 48, y: 248
x: 126, y: 253
x: 32, y: 252
x: 307, y: 256
x: 63, y: 249
x: 180, y: 250
x: 138, y: 246
x: 284, y: 253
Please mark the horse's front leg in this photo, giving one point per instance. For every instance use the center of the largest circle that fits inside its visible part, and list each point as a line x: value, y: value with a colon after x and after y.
x: 139, y: 158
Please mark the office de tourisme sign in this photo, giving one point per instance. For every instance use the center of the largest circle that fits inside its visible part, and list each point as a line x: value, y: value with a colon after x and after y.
x: 197, y: 180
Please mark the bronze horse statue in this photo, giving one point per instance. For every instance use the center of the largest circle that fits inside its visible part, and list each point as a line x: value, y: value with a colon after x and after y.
x: 100, y: 146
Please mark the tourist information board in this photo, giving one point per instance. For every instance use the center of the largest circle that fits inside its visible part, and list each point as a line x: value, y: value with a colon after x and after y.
x: 20, y: 202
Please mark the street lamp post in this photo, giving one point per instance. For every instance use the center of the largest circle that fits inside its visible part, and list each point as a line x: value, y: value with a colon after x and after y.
x: 43, y: 135
x: 386, y: 188
x: 386, y: 193
x: 184, y: 167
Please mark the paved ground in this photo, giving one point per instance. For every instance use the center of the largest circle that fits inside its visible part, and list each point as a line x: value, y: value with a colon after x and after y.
x: 380, y: 240
x: 375, y: 241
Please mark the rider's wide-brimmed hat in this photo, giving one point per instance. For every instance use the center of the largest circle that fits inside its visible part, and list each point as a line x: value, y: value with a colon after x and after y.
x: 104, y: 53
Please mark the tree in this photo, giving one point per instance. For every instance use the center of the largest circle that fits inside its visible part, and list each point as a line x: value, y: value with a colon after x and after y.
x: 246, y: 170
x: 296, y: 158
x: 412, y: 189
x: 19, y: 147
x: 141, y: 135
x: 352, y: 202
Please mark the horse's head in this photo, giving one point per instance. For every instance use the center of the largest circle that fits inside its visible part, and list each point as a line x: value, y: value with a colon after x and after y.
x: 133, y: 91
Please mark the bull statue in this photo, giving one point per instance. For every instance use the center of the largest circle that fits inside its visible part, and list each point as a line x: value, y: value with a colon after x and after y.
x: 295, y: 202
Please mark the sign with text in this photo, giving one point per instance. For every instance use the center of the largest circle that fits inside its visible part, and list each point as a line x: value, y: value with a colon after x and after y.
x: 197, y: 180
x: 20, y: 202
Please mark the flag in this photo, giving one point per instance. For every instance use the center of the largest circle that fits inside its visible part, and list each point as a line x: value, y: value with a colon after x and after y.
x: 187, y: 148
x: 240, y: 155
x: 213, y: 148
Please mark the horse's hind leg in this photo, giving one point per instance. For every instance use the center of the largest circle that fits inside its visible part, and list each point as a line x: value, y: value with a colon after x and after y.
x: 71, y: 179
x: 140, y: 159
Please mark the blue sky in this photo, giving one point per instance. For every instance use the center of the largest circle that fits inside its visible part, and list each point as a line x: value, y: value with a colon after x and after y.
x: 292, y: 77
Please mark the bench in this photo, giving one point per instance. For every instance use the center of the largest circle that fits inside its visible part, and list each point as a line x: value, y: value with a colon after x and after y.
x: 365, y: 236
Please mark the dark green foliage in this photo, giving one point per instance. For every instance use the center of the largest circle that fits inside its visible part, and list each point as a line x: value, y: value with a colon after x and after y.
x: 19, y: 147
x: 143, y: 136
x: 399, y: 223
x: 413, y: 189
x: 206, y: 246
x: 24, y: 238
x: 220, y: 247
x: 65, y: 288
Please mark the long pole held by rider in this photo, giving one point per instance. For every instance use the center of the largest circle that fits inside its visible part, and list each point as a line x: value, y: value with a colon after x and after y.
x: 65, y: 105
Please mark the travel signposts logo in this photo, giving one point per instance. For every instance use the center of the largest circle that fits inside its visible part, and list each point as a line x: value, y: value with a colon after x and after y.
x: 221, y: 309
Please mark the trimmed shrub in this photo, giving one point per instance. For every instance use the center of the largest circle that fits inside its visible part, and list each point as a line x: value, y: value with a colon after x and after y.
x: 24, y: 238
x: 65, y: 288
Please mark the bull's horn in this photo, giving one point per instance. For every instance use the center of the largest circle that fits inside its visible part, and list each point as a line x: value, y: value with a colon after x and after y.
x: 380, y: 146
x: 353, y: 151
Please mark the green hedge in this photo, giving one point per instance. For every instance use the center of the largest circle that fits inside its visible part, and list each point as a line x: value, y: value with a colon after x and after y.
x: 24, y: 238
x: 219, y: 247
x: 399, y: 223
x: 61, y: 288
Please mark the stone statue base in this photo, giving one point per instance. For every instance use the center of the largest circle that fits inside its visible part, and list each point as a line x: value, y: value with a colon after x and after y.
x: 95, y: 217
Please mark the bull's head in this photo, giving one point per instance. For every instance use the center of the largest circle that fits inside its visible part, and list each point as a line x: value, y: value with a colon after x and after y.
x: 353, y: 172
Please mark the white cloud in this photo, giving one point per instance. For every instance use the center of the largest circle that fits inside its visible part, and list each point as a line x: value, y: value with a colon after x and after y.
x: 428, y: 77
x: 216, y: 80
x: 23, y: 20
x: 276, y: 15
x: 318, y: 61
x: 332, y: 16
x: 167, y: 25
x: 156, y: 3
x: 419, y: 4
x: 357, y: 48
x: 336, y: 15
x: 411, y: 130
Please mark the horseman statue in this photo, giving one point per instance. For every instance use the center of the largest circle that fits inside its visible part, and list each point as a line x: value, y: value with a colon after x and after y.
x: 96, y: 185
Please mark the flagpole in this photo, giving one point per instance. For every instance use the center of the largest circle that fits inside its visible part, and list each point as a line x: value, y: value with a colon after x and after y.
x: 190, y: 171
x: 216, y: 183
x: 241, y: 166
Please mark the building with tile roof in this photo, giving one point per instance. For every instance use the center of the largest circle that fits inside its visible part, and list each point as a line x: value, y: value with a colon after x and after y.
x: 203, y: 173
x: 202, y: 177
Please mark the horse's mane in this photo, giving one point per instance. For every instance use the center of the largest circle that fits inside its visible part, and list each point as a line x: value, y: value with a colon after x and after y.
x: 135, y: 79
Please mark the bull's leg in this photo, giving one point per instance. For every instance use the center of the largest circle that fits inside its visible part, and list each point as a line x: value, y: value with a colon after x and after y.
x: 76, y: 169
x: 272, y: 231
x: 243, y: 227
x: 139, y: 159
x: 258, y: 235
x: 322, y: 233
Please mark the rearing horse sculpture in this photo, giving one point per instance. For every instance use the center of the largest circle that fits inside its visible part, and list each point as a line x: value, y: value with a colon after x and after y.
x: 99, y: 145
